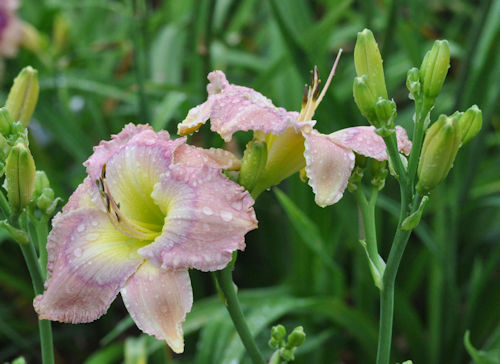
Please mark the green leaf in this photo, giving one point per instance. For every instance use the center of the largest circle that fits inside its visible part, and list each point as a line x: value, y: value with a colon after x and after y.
x: 481, y: 357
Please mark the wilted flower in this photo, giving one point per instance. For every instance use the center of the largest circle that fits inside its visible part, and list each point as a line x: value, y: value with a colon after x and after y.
x: 150, y: 209
x: 292, y: 143
x: 11, y: 28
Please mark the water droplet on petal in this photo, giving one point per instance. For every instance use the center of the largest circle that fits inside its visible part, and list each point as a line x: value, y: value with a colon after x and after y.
x: 77, y: 252
x: 226, y: 216
x: 207, y: 211
x: 80, y: 228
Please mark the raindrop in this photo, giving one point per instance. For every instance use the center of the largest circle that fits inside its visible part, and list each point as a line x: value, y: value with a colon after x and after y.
x: 207, y: 211
x: 77, y: 252
x: 80, y: 228
x: 226, y: 216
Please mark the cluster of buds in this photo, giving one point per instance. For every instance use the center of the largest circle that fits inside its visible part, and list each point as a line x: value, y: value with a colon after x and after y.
x: 441, y: 144
x: 23, y: 183
x: 369, y: 90
x: 285, y: 349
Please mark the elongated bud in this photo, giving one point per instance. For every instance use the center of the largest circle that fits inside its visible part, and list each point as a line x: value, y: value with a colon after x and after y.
x: 19, y: 177
x: 470, y: 123
x: 434, y: 69
x: 379, y: 173
x: 413, y: 83
x: 253, y: 164
x: 23, y: 96
x: 439, y: 150
x: 365, y: 98
x: 368, y: 61
x: 6, y: 121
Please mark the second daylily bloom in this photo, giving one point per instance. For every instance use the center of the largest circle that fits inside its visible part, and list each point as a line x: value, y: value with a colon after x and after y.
x: 11, y: 28
x: 150, y: 209
x: 292, y: 142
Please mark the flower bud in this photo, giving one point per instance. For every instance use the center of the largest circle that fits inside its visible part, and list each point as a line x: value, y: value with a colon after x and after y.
x: 379, y: 173
x: 296, y: 337
x: 470, y: 123
x: 368, y: 61
x: 386, y: 113
x: 434, y: 69
x: 440, y: 147
x: 365, y: 98
x: 278, y: 334
x: 253, y: 164
x: 413, y: 83
x: 23, y: 96
x: 5, y: 121
x: 19, y: 177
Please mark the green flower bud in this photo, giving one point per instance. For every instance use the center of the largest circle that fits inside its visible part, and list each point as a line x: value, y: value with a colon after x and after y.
x: 278, y: 334
x: 434, y: 69
x: 19, y: 177
x: 413, y: 83
x: 470, y: 123
x: 5, y: 121
x: 365, y: 98
x: 386, y: 113
x: 368, y: 61
x: 440, y: 147
x: 41, y: 182
x: 23, y: 96
x: 296, y: 337
x: 379, y: 173
x: 253, y: 164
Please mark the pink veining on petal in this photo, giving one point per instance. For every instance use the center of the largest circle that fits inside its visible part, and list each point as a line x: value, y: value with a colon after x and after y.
x: 328, y: 167
x: 158, y: 300
x: 232, y: 108
x: 130, y: 133
x: 190, y: 156
x: 365, y: 141
x: 208, y: 217
x: 89, y: 261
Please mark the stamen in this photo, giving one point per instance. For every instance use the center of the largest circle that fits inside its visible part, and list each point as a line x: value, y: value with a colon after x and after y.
x: 123, y: 224
x: 304, y: 98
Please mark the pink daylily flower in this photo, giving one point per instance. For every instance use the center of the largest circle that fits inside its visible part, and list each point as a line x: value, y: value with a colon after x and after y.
x: 150, y: 209
x: 291, y: 139
x: 11, y: 28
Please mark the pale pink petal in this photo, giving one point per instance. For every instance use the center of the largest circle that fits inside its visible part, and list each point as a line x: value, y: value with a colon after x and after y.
x: 142, y: 134
x: 190, y: 156
x: 365, y: 141
x: 207, y: 217
x: 158, y: 300
x: 89, y: 261
x: 80, y: 198
x: 234, y: 108
x: 328, y: 167
x: 11, y: 35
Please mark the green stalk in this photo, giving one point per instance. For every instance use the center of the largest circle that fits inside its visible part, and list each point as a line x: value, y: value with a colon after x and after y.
x: 44, y: 326
x: 225, y: 280
x: 422, y: 110
x: 367, y: 208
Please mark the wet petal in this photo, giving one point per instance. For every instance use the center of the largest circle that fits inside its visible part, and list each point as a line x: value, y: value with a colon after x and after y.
x: 80, y: 198
x: 190, y: 156
x: 142, y: 134
x: 89, y: 261
x: 158, y: 300
x: 328, y: 167
x: 365, y: 141
x: 207, y: 218
x: 234, y: 108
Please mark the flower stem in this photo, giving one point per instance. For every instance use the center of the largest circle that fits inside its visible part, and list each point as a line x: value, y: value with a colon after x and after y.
x: 44, y: 326
x: 225, y: 280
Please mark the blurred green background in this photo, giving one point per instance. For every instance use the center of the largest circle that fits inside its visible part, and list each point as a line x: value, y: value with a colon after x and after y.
x: 103, y: 64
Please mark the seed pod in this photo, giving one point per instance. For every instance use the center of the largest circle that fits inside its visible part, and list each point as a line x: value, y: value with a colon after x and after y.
x: 23, y: 96
x: 19, y: 177
x: 368, y: 61
x: 441, y: 144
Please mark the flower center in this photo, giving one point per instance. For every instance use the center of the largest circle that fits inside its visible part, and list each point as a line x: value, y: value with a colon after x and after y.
x: 126, y: 225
